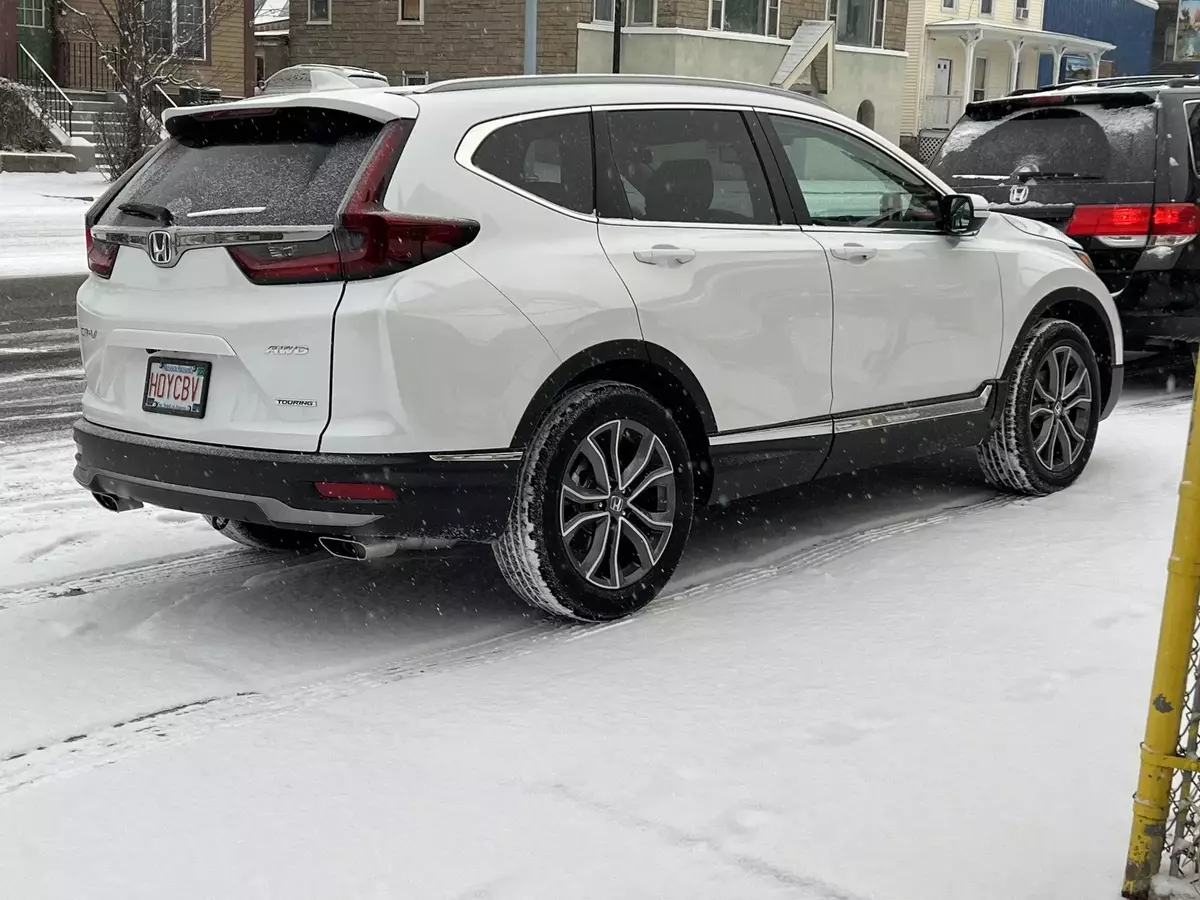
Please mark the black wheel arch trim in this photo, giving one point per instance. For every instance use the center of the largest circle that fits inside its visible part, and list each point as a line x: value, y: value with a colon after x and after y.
x: 1076, y: 295
x: 573, y: 370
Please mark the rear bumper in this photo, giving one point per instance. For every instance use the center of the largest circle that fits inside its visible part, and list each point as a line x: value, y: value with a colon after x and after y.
x: 448, y: 496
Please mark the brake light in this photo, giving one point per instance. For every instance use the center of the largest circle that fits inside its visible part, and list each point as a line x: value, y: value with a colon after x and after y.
x: 301, y: 262
x: 354, y: 490
x: 1135, y: 221
x: 101, y: 255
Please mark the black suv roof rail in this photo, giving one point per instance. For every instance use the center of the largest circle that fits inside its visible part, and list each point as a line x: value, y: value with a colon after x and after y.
x: 1122, y: 81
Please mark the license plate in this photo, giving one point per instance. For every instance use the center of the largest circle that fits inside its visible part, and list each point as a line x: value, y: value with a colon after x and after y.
x: 176, y: 387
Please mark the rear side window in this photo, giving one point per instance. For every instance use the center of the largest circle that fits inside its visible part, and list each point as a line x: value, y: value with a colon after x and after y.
x: 549, y: 157
x: 681, y: 165
x: 1078, y: 141
x: 284, y: 167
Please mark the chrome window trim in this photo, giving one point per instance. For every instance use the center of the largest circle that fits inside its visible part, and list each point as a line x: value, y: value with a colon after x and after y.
x: 477, y: 134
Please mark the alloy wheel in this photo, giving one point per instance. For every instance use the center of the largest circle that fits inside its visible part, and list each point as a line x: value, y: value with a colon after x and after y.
x: 617, y: 504
x: 1060, y: 408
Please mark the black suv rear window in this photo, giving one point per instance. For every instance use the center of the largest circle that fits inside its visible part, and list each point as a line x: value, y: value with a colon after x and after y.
x: 284, y: 167
x: 1078, y: 140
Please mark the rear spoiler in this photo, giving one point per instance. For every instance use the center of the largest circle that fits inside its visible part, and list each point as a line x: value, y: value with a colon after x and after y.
x: 382, y: 106
x: 1000, y: 107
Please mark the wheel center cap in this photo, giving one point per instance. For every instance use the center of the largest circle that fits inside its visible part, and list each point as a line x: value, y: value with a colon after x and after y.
x: 1058, y: 408
x: 616, y: 503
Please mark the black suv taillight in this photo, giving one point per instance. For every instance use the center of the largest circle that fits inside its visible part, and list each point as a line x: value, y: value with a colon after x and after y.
x: 369, y: 241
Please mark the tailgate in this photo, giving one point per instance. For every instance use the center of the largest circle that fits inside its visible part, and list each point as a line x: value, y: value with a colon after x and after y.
x: 1042, y: 160
x: 191, y: 335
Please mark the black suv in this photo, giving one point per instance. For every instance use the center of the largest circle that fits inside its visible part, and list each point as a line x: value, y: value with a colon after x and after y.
x: 1112, y: 164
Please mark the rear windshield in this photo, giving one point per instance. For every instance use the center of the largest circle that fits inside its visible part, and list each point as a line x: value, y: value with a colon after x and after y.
x: 286, y: 167
x: 1079, y: 141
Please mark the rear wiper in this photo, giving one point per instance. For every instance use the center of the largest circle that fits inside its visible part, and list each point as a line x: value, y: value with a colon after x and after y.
x: 1054, y: 176
x: 159, y: 214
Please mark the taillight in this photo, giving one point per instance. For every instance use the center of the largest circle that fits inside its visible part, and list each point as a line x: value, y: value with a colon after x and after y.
x: 369, y: 241
x: 1135, y: 221
x: 300, y: 262
x: 101, y: 255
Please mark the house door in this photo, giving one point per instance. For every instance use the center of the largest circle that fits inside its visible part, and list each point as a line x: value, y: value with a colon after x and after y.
x: 941, y: 81
x: 979, y: 84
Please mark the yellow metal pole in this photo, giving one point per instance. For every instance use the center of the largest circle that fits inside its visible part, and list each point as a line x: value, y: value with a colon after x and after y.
x: 1170, y: 676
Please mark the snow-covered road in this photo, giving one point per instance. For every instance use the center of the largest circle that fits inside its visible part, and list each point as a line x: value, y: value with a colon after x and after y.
x: 892, y: 686
x: 41, y: 230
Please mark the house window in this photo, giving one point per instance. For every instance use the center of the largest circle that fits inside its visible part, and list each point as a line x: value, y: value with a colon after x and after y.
x: 260, y: 68
x: 859, y: 22
x: 31, y: 13
x: 602, y: 11
x: 412, y: 12
x: 745, y: 16
x: 414, y: 78
x: 979, y: 84
x: 180, y: 28
x: 949, y: 4
x: 641, y: 12
x: 319, y: 12
x: 1021, y: 13
x: 987, y: 7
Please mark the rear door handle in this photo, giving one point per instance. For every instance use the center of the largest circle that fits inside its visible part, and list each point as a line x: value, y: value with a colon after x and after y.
x: 853, y: 252
x: 664, y: 255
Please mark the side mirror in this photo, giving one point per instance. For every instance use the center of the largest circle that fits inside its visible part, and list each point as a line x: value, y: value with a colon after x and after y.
x: 957, y: 214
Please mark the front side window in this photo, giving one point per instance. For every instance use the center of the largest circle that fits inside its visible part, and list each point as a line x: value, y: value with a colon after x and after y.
x: 180, y: 28
x: 686, y: 166
x: 318, y: 12
x: 549, y: 157
x: 860, y: 22
x: 31, y: 13
x: 848, y: 183
x: 745, y: 16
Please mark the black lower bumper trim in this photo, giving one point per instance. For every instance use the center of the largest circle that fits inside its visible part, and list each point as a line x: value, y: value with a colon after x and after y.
x: 462, y: 499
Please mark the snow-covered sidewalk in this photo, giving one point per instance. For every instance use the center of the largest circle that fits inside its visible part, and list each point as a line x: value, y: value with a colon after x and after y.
x: 41, y: 229
x: 942, y: 710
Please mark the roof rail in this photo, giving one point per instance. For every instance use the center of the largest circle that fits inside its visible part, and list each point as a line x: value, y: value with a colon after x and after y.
x: 1174, y: 80
x: 510, y: 81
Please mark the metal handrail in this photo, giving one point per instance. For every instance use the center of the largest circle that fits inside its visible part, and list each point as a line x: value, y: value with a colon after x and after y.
x: 40, y: 87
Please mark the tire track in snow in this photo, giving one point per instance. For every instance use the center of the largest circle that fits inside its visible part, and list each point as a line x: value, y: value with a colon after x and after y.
x: 189, y: 721
x: 212, y: 562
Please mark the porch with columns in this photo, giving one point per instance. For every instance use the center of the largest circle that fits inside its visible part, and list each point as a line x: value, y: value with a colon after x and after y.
x: 972, y: 60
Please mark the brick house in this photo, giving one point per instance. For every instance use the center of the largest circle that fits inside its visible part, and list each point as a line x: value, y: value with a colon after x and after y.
x: 220, y: 56
x: 850, y: 53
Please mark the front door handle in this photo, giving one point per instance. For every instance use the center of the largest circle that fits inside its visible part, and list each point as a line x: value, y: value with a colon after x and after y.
x: 664, y: 255
x: 853, y: 253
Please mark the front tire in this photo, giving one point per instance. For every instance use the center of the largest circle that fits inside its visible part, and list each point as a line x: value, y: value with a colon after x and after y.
x: 1047, y: 428
x: 604, y: 505
x: 264, y: 537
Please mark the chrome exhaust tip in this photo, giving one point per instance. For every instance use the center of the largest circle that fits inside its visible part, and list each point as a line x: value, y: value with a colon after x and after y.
x: 370, y: 548
x: 116, y: 504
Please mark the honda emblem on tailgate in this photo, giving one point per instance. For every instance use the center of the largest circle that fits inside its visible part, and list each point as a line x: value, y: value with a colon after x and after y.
x: 1018, y: 194
x: 158, y: 245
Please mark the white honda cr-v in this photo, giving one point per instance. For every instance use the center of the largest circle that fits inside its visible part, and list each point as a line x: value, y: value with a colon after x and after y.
x: 557, y: 314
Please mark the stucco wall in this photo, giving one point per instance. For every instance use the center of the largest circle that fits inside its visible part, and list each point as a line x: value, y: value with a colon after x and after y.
x: 668, y: 52
x: 860, y: 75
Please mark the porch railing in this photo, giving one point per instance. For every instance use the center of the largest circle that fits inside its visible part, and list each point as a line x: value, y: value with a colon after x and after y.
x: 942, y: 110
x: 83, y: 68
x: 48, y: 95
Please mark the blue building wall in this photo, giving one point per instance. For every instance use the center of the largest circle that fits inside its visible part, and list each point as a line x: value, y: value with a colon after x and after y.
x: 1126, y: 23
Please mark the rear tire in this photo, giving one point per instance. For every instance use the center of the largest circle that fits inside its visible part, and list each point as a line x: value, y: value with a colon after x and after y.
x: 603, y: 508
x: 265, y: 537
x: 1045, y: 433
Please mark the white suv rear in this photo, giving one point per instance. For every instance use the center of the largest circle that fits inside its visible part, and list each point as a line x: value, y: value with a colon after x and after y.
x: 555, y: 314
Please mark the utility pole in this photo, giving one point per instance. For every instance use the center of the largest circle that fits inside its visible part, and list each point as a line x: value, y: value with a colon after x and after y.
x: 531, y: 13
x: 618, y: 18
